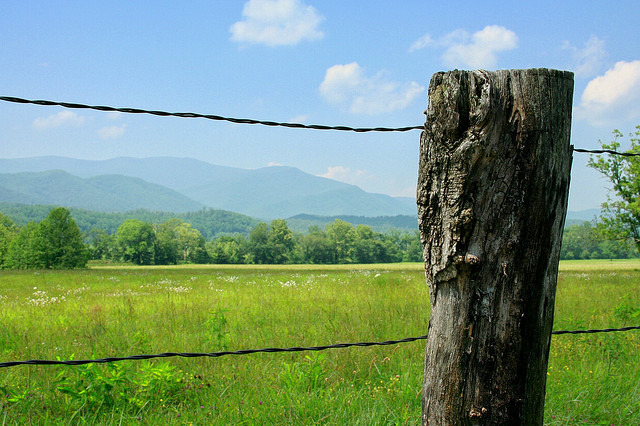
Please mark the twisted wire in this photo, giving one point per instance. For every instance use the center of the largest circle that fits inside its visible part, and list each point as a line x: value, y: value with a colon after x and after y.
x: 209, y: 354
x: 603, y: 330
x: 265, y: 350
x: 209, y: 116
x: 252, y: 121
x: 607, y: 151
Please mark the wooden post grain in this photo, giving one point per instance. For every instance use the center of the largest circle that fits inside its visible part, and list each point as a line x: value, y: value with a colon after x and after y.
x: 495, y: 160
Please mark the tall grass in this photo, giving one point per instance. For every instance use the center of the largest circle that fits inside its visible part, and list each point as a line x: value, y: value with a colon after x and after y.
x: 120, y: 311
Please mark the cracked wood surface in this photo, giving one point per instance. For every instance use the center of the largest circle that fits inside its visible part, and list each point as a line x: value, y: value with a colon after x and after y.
x: 495, y: 160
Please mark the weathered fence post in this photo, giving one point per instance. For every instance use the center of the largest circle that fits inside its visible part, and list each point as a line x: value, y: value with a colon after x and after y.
x: 493, y: 183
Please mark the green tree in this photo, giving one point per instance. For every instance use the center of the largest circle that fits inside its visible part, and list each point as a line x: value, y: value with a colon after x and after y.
x: 372, y: 247
x: 26, y: 249
x: 100, y: 244
x: 135, y: 240
x: 228, y: 249
x: 578, y: 242
x: 342, y: 238
x: 166, y: 250
x: 56, y: 242
x: 316, y: 247
x: 259, y: 244
x: 62, y: 241
x: 621, y: 216
x: 586, y: 242
x: 296, y: 255
x: 191, y: 243
x: 411, y: 247
x: 8, y: 231
x: 279, y: 241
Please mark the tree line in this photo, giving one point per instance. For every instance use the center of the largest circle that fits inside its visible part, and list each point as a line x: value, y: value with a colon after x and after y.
x: 586, y: 241
x: 177, y: 242
x: 57, y: 243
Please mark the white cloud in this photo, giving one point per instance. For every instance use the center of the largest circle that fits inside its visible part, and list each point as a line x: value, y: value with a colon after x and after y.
x: 61, y: 118
x: 421, y: 43
x: 345, y: 174
x: 477, y: 50
x: 277, y: 23
x: 111, y: 132
x: 613, y: 96
x: 348, y: 87
x: 273, y: 164
x: 589, y: 59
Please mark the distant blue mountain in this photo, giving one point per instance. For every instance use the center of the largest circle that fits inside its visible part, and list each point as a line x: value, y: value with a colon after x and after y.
x: 108, y: 193
x: 583, y: 215
x: 266, y: 193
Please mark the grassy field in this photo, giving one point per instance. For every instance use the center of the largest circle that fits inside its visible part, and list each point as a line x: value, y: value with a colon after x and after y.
x: 116, y: 311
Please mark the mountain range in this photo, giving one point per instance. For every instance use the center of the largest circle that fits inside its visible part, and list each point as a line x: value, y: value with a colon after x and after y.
x: 185, y: 184
x: 105, y: 193
x: 181, y: 185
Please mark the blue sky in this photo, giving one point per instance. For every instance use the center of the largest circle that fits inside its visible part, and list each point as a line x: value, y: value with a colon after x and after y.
x: 353, y: 63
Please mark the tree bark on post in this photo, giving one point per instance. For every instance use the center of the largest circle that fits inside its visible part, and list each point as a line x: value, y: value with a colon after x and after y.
x: 495, y: 161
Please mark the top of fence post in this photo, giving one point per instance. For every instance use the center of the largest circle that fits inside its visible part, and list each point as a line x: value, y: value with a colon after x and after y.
x: 493, y: 184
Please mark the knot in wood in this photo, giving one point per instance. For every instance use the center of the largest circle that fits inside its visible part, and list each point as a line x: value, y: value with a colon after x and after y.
x: 467, y: 259
x: 477, y: 413
x: 464, y: 221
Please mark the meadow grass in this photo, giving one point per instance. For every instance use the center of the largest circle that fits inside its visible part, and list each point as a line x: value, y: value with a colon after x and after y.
x: 600, y: 265
x: 119, y: 311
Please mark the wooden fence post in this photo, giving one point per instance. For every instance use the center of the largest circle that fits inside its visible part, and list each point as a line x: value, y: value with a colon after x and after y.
x: 493, y: 184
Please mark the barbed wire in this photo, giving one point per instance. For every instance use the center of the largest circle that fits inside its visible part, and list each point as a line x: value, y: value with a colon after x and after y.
x: 210, y: 354
x: 265, y: 123
x: 265, y: 350
x: 602, y: 330
x: 607, y: 151
x: 252, y: 121
x: 209, y: 116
